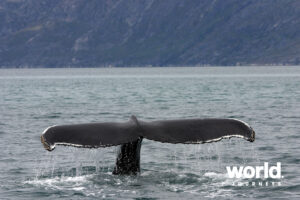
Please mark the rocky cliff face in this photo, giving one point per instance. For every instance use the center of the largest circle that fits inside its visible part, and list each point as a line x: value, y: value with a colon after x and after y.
x: 59, y: 33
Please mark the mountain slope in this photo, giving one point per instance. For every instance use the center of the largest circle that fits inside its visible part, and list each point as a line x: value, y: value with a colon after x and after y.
x: 57, y: 33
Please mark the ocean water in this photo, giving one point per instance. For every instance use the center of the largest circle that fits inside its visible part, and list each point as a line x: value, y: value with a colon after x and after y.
x: 268, y: 98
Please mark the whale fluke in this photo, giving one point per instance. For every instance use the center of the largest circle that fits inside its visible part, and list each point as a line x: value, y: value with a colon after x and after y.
x: 130, y: 134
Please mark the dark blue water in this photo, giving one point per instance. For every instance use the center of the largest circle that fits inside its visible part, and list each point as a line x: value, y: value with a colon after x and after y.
x: 268, y: 98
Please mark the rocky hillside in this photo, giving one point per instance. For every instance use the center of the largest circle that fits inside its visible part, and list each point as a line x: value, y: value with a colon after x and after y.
x: 80, y: 33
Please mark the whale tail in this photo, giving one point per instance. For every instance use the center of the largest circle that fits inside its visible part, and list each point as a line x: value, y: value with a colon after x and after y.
x: 130, y: 134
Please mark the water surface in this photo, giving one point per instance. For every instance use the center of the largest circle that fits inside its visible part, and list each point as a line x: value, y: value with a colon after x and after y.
x: 268, y: 98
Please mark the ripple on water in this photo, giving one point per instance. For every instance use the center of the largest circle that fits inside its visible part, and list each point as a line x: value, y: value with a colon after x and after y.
x: 33, y: 102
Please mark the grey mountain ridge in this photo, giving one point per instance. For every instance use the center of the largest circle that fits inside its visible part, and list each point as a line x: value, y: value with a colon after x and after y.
x: 79, y: 33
